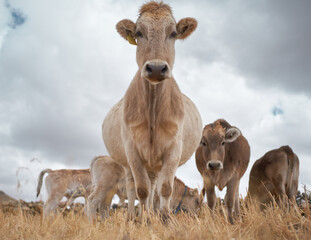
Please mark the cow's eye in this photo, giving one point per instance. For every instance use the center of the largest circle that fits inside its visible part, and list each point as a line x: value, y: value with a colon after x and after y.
x: 197, y: 202
x: 173, y: 35
x: 203, y: 143
x: 139, y: 34
x: 222, y: 143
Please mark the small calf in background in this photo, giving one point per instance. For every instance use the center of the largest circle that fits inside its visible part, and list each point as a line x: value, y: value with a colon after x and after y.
x: 69, y: 183
x: 109, y: 178
x: 275, y: 175
x: 222, y: 159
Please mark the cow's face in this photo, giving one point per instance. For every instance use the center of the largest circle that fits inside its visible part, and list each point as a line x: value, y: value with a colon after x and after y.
x: 155, y: 33
x: 213, y: 143
x: 192, y: 201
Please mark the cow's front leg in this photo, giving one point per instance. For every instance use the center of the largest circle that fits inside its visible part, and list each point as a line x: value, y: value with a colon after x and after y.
x: 165, y: 181
x: 230, y: 197
x: 153, y: 176
x: 142, y: 182
x: 210, y: 193
x: 237, y: 201
x: 130, y: 192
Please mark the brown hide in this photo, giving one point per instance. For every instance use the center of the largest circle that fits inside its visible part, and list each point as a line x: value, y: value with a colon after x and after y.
x: 154, y: 128
x: 228, y: 151
x: 274, y: 175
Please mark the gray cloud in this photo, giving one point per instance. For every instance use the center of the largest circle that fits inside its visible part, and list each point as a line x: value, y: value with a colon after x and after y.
x: 265, y: 41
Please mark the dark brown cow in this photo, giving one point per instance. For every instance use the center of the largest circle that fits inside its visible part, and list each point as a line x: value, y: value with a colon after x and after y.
x: 274, y: 175
x: 222, y: 159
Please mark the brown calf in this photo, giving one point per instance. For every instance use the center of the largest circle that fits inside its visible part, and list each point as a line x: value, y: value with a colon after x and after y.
x: 222, y: 159
x: 69, y: 183
x: 108, y: 178
x: 154, y: 128
x: 274, y: 175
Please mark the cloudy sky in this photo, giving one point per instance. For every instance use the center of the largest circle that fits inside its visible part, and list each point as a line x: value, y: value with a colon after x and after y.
x: 63, y: 66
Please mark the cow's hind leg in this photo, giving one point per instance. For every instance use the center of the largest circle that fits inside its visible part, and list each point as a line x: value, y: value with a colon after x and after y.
x: 100, y: 197
x: 279, y: 187
x: 51, y: 204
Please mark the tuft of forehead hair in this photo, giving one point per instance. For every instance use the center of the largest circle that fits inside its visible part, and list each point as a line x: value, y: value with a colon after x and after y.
x: 219, y: 125
x: 155, y: 7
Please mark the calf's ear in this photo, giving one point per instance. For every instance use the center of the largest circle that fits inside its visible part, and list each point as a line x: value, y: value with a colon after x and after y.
x: 185, y: 27
x: 232, y: 134
x: 126, y: 28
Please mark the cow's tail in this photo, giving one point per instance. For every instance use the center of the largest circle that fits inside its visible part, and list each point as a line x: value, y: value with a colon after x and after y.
x: 40, y: 179
x: 290, y: 167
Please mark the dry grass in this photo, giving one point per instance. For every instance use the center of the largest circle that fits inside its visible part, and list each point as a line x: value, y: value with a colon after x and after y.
x: 253, y: 224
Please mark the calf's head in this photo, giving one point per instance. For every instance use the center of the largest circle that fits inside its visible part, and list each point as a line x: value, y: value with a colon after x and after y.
x: 155, y: 33
x: 213, y: 143
x: 192, y: 201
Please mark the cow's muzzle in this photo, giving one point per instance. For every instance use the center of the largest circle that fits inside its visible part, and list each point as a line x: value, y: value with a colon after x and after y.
x: 156, y: 71
x: 214, y: 165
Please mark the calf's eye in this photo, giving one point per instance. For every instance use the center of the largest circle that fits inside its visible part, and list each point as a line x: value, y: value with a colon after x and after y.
x: 139, y: 34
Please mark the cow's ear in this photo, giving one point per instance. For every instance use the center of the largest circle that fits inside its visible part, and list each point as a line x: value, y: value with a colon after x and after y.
x: 232, y: 134
x: 126, y: 28
x: 185, y: 27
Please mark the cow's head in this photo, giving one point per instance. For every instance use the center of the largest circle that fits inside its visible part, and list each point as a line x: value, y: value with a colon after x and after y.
x: 155, y: 33
x: 213, y: 143
x: 192, y: 201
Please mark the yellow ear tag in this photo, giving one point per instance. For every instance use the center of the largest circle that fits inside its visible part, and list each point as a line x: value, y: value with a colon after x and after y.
x: 131, y: 40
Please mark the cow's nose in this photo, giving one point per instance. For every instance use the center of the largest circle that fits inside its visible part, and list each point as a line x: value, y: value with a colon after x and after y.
x: 214, y: 165
x: 156, y: 72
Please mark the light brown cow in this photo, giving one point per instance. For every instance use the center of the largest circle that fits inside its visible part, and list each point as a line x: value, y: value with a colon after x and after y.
x: 154, y: 128
x: 69, y: 183
x: 274, y: 175
x: 222, y: 159
x: 108, y: 179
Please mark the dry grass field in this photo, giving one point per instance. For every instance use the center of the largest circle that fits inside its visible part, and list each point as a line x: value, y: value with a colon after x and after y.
x: 253, y: 224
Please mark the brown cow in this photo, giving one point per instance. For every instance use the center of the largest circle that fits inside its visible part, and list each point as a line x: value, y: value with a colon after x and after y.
x: 108, y: 179
x: 69, y: 183
x: 274, y: 175
x: 154, y: 128
x: 222, y: 159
